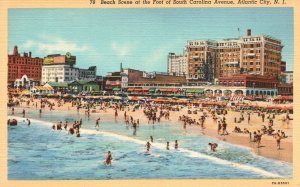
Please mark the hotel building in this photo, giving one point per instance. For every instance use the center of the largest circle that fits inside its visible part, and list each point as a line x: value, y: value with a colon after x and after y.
x: 24, y: 69
x: 207, y: 60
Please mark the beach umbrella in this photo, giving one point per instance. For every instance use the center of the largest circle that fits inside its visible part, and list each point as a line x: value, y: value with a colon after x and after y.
x: 117, y: 98
x: 290, y: 107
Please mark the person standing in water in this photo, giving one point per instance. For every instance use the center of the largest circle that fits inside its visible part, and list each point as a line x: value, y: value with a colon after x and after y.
x: 108, y: 159
x: 176, y: 144
x: 28, y: 122
x: 148, y: 146
x: 97, y: 123
x: 23, y: 112
x: 151, y: 139
x: 168, y: 144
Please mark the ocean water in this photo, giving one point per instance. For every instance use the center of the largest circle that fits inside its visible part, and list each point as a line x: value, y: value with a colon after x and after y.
x: 38, y: 152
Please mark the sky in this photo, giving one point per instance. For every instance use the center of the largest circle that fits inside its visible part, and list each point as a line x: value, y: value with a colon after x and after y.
x: 139, y: 38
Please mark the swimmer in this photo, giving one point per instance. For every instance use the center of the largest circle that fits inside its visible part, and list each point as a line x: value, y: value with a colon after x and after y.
x: 213, y: 146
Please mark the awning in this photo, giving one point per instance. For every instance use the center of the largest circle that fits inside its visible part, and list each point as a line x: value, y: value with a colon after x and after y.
x: 138, y: 89
x: 194, y: 90
x: 168, y: 89
x: 152, y: 89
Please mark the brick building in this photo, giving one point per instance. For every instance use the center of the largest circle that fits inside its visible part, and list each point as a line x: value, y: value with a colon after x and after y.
x: 283, y: 66
x: 285, y: 89
x: 253, y: 84
x: 19, y: 65
x: 209, y: 59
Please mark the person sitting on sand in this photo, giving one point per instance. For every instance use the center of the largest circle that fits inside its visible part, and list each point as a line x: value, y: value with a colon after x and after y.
x: 246, y: 131
x: 108, y: 159
x: 283, y: 135
x: 237, y: 129
x: 213, y: 146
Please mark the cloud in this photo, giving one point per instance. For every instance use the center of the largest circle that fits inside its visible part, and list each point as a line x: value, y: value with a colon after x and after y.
x: 47, y: 44
x: 157, y: 58
x: 122, y: 49
x: 61, y: 46
x: 27, y: 45
x: 51, y: 44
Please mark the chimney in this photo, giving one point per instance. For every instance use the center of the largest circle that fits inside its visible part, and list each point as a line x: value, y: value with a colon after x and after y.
x: 29, y: 54
x: 249, y: 32
x: 15, y: 53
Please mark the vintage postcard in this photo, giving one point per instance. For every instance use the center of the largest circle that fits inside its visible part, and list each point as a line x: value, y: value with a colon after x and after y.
x: 149, y: 92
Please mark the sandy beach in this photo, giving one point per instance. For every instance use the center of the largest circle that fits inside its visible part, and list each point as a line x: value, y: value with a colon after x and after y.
x: 267, y: 148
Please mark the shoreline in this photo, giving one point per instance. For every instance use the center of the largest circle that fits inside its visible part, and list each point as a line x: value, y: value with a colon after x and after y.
x: 268, y: 147
x: 159, y: 145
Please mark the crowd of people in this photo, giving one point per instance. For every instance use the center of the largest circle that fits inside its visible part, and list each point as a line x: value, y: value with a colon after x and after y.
x: 154, y: 113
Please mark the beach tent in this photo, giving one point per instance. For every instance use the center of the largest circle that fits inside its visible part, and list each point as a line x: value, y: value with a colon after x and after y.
x: 25, y: 92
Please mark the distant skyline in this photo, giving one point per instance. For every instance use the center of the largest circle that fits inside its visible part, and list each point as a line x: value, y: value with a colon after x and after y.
x: 139, y: 38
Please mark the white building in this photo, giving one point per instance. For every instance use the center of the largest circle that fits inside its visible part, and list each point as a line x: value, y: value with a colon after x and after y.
x: 25, y: 82
x: 177, y: 64
x: 59, y: 73
x: 288, y: 76
x: 124, y: 80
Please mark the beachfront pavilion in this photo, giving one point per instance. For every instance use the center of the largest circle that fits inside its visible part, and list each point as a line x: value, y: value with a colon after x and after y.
x: 213, y: 90
x: 61, y: 87
x: 83, y: 86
